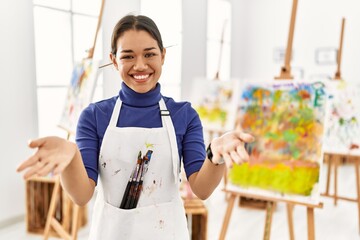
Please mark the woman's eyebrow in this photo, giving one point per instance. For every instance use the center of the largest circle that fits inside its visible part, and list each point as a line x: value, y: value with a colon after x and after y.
x: 126, y: 51
x: 130, y: 51
x: 150, y: 48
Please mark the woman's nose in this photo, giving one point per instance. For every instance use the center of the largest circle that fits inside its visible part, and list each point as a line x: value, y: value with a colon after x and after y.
x: 140, y: 64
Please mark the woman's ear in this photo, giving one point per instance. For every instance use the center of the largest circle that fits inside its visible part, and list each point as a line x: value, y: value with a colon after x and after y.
x: 113, y: 60
x: 163, y: 56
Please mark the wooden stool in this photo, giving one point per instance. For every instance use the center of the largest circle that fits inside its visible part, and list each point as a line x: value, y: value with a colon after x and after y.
x: 196, y: 209
x: 39, y: 201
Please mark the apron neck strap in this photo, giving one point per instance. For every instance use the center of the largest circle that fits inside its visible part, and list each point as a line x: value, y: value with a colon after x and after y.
x: 166, y: 121
x: 115, y: 114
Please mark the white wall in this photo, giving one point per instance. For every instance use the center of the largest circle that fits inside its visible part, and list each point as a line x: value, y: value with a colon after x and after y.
x: 260, y: 26
x: 193, y: 62
x: 18, y: 102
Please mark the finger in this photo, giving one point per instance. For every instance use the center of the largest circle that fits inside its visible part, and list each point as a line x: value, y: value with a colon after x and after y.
x: 235, y: 157
x: 245, y: 137
x: 242, y: 153
x: 33, y: 170
x: 227, y: 159
x: 46, y: 169
x: 29, y: 162
x: 36, y: 142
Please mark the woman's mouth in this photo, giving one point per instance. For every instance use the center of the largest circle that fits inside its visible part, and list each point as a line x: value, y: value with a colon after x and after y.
x: 141, y: 77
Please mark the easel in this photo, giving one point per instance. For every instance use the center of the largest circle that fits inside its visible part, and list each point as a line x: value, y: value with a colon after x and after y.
x: 217, y: 75
x: 338, y: 58
x: 285, y: 72
x: 269, y: 212
x: 334, y: 159
x: 271, y: 202
x: 63, y: 229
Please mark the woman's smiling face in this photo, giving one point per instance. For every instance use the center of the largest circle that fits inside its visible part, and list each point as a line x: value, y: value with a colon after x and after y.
x: 139, y: 60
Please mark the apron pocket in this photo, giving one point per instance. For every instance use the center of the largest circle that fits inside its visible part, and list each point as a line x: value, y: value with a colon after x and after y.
x: 150, y: 222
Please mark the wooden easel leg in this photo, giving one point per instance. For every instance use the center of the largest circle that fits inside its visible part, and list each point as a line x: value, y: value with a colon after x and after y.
x: 311, y: 223
x: 336, y: 164
x: 358, y: 187
x: 52, y: 208
x: 229, y: 209
x: 328, y: 177
x: 290, y: 208
x: 268, y: 219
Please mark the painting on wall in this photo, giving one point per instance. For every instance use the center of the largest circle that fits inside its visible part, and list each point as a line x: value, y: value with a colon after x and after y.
x: 343, y: 126
x: 287, y: 120
x: 79, y: 93
x: 215, y: 102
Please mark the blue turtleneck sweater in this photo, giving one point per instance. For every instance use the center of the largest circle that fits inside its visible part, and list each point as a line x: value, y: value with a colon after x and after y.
x: 140, y: 110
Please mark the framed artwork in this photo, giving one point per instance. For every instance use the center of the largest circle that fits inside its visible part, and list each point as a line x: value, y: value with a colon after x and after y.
x: 287, y: 120
x: 79, y: 94
x: 326, y: 56
x: 342, y: 134
x: 279, y: 54
x: 215, y: 102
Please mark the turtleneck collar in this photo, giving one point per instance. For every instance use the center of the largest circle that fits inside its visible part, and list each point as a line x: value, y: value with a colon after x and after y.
x: 132, y: 98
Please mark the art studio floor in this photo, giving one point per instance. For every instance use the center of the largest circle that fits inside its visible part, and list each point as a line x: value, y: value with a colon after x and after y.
x: 331, y: 222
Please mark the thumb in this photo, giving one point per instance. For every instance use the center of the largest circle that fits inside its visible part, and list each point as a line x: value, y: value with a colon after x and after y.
x: 34, y: 143
x: 245, y: 137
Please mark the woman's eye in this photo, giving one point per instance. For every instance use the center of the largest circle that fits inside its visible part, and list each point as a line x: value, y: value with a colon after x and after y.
x: 149, y: 55
x: 126, y: 57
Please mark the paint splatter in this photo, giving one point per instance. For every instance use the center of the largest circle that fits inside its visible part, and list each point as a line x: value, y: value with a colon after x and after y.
x: 116, y: 172
x: 103, y: 164
x: 161, y: 224
x: 149, y: 145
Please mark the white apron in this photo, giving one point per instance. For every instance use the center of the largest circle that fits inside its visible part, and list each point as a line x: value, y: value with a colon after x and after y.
x: 160, y: 212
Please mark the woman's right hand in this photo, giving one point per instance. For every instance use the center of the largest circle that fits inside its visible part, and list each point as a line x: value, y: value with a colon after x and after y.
x: 53, y: 154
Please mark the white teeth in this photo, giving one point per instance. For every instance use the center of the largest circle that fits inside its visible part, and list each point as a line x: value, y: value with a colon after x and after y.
x: 141, y: 76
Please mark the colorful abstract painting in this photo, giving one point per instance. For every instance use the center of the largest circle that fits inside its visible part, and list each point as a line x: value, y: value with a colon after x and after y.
x: 343, y: 125
x: 79, y: 94
x: 287, y: 120
x: 215, y: 102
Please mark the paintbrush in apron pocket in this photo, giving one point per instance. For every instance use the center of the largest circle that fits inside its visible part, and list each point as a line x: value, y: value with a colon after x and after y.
x: 130, y: 182
x: 139, y: 184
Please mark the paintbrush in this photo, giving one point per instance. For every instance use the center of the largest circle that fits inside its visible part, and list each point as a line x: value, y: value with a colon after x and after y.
x: 138, y: 184
x: 133, y: 182
x: 146, y: 161
x: 128, y: 186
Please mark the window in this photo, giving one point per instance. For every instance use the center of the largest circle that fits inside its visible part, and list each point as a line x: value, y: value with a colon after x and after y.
x: 64, y: 31
x: 218, y: 39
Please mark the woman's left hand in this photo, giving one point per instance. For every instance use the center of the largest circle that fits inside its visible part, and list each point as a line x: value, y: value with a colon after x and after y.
x: 230, y: 147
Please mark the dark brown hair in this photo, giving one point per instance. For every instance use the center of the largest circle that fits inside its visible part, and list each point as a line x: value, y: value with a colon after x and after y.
x: 135, y: 22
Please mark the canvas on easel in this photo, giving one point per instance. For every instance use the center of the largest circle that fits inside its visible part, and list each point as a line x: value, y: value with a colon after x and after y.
x: 215, y: 102
x: 80, y: 93
x: 342, y: 135
x: 287, y: 120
